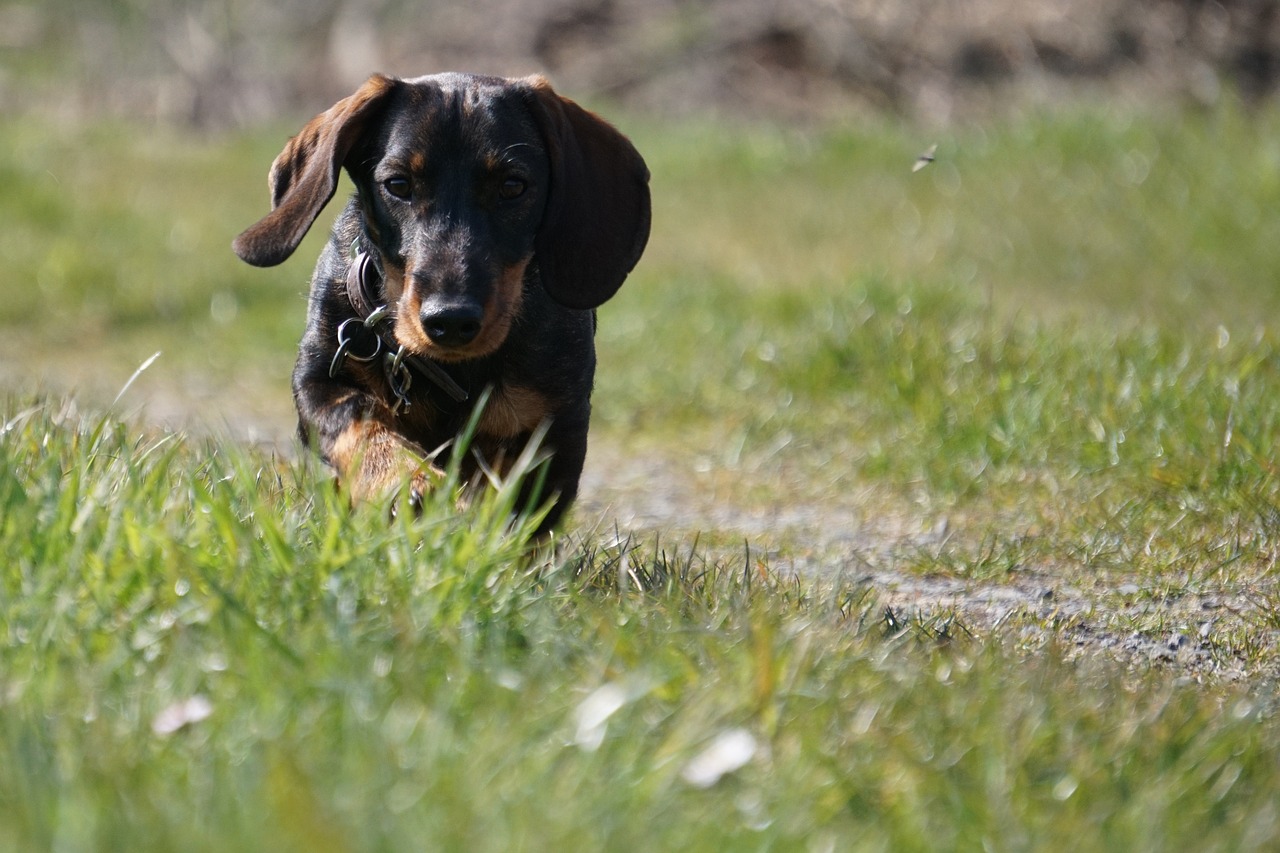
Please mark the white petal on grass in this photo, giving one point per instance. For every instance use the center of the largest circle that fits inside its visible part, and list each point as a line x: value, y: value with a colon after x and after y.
x: 181, y: 714
x: 729, y: 751
x: 592, y: 715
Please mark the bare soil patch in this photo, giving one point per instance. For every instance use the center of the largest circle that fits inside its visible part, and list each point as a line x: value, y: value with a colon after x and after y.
x: 1212, y: 634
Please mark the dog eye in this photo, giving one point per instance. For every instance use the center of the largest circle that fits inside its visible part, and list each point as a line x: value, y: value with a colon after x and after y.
x: 512, y: 188
x: 398, y: 187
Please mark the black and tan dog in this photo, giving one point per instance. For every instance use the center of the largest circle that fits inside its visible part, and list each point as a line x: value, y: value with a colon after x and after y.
x: 491, y: 218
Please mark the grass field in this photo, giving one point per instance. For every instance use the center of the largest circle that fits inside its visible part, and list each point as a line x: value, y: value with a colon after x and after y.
x: 1044, y: 364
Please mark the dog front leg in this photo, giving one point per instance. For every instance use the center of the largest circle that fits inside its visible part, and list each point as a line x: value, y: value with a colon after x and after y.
x: 373, y: 462
x: 371, y: 459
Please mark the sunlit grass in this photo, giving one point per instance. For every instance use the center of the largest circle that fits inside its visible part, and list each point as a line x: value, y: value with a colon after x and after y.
x: 1052, y: 352
x: 1061, y: 326
x: 203, y: 648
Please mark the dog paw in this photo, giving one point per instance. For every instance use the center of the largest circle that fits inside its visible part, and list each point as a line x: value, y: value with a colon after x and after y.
x: 421, y: 484
x: 384, y: 467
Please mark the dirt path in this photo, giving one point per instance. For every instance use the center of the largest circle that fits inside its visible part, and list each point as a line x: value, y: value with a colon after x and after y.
x: 1203, y: 636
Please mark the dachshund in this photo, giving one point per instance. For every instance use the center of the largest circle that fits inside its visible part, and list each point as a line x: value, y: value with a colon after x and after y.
x: 491, y: 217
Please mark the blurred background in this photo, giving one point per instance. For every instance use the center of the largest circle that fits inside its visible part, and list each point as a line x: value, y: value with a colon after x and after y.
x: 219, y: 63
x: 1106, y: 162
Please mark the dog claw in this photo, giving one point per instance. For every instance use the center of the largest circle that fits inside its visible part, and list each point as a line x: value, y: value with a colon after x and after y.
x: 415, y: 502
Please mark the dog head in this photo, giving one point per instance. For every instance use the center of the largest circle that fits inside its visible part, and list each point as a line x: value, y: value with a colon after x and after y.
x: 463, y: 182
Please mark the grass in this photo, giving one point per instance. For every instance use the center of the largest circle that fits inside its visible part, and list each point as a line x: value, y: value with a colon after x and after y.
x: 362, y: 686
x: 1046, y: 361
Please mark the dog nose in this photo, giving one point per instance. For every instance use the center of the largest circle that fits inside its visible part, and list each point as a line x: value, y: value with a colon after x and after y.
x: 451, y: 326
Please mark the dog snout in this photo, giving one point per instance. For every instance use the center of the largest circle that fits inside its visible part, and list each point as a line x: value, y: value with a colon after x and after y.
x: 451, y: 325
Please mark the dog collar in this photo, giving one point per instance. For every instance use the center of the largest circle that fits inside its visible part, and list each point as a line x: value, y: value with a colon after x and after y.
x: 371, y: 331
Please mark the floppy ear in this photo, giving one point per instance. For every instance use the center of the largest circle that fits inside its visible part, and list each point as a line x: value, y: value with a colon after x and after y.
x: 596, y: 222
x: 305, y: 175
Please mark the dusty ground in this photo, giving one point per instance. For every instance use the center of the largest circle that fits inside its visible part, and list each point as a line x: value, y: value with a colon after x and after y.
x: 872, y: 543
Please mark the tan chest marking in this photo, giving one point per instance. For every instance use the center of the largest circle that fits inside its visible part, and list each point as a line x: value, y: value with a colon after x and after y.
x: 512, y: 411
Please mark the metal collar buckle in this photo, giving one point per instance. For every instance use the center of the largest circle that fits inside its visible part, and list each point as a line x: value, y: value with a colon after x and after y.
x: 356, y: 336
x: 399, y: 377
